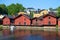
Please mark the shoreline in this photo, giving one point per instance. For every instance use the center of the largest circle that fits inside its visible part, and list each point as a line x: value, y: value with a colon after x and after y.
x: 34, y: 28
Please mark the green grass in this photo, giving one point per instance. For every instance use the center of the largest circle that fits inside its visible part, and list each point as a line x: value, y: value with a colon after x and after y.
x: 1, y: 27
x: 56, y: 28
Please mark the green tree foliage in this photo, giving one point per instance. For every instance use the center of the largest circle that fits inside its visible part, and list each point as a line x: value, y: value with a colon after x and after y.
x: 11, y: 9
x: 51, y: 9
x: 3, y: 9
x: 31, y: 15
x: 15, y: 8
x: 1, y: 28
x: 19, y: 7
x: 58, y: 11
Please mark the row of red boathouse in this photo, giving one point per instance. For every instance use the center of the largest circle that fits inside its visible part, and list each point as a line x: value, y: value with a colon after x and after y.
x: 24, y: 20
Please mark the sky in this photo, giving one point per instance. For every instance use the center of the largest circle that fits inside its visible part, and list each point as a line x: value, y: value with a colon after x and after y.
x: 42, y: 4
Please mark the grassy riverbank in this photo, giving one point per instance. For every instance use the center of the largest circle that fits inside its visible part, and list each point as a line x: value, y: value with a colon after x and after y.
x: 38, y: 28
x: 35, y: 28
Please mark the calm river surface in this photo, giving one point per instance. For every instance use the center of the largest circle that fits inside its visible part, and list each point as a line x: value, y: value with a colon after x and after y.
x: 29, y: 35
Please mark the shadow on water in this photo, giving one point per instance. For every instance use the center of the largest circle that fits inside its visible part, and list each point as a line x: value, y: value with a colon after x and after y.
x: 29, y: 35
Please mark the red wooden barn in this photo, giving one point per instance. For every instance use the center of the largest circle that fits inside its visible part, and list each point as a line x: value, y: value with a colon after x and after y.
x: 6, y: 20
x: 59, y: 22
x: 22, y: 20
x: 37, y: 22
x: 50, y: 19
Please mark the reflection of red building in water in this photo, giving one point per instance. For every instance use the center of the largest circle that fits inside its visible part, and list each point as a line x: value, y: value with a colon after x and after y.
x: 6, y: 32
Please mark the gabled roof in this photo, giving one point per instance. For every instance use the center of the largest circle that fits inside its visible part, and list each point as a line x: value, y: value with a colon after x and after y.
x: 22, y: 15
x: 4, y: 17
x: 34, y: 18
x: 40, y: 18
x: 50, y: 14
x: 42, y: 10
x: 10, y: 17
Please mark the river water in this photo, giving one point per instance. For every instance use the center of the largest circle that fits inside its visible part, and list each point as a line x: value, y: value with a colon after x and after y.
x: 29, y: 35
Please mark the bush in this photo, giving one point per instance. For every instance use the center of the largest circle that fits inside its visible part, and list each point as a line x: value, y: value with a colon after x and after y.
x: 1, y: 28
x: 57, y: 28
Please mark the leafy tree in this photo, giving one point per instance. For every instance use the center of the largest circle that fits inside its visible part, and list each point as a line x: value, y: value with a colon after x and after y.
x: 11, y: 9
x: 3, y: 9
x: 19, y: 7
x: 50, y: 9
x: 1, y: 27
x: 31, y: 14
x: 14, y: 8
x: 58, y: 11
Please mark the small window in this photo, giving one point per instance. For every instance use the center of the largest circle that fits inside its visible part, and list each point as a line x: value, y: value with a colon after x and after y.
x: 19, y: 23
x: 49, y: 17
x: 6, y: 21
x: 36, y: 23
x: 49, y: 23
x: 36, y: 20
x: 41, y: 19
x: 24, y: 18
x: 24, y: 23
